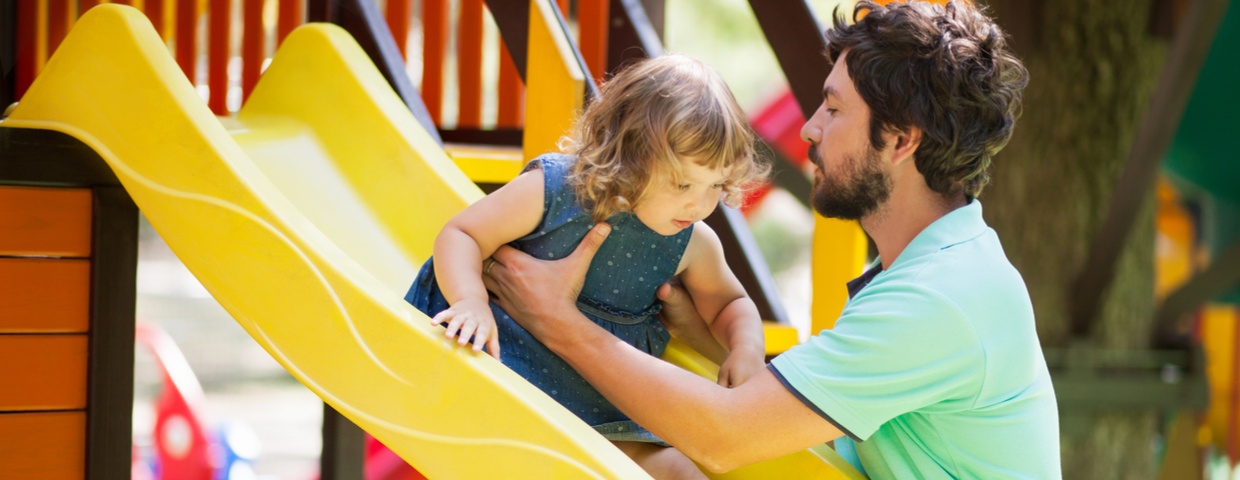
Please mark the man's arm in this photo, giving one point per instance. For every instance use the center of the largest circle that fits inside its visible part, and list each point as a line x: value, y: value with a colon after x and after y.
x: 720, y: 428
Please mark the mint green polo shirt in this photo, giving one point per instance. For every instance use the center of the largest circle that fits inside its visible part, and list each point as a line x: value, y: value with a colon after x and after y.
x: 934, y: 367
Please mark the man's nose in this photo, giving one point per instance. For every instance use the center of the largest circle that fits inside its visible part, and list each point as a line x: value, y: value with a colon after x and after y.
x: 811, y: 131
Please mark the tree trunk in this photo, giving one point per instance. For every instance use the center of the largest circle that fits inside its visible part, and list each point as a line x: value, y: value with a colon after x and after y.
x: 1093, y: 65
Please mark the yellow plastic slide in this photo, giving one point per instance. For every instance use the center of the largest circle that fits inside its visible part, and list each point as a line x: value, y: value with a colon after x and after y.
x: 306, y: 217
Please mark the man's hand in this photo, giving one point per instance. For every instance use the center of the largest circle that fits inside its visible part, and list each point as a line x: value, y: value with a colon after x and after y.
x: 542, y: 294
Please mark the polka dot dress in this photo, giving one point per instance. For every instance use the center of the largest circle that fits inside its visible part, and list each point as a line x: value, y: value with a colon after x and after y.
x: 619, y: 295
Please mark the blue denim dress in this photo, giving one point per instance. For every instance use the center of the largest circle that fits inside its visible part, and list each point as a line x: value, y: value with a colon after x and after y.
x: 619, y: 295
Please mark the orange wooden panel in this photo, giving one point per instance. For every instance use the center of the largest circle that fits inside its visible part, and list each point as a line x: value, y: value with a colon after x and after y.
x: 39, y: 221
x: 218, y: 52
x: 592, y: 31
x: 469, y: 65
x: 253, y: 41
x: 186, y: 38
x: 45, y: 446
x: 434, y: 47
x: 42, y: 372
x: 42, y: 295
x: 398, y: 15
x: 511, y: 92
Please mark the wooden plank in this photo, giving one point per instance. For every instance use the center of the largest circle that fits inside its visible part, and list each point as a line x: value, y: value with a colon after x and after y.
x: 45, y: 446
x: 1158, y: 126
x: 512, y: 17
x: 253, y: 46
x: 219, y: 50
x: 31, y: 43
x: 47, y: 157
x: 43, y: 295
x: 8, y: 49
x: 593, y: 27
x: 292, y: 14
x: 555, y: 81
x: 747, y: 262
x: 37, y: 221
x: 632, y: 35
x: 797, y: 40
x: 344, y: 446
x: 42, y: 372
x: 511, y: 92
x: 186, y: 25
x: 434, y: 55
x: 469, y: 65
x: 399, y: 12
x: 109, y: 431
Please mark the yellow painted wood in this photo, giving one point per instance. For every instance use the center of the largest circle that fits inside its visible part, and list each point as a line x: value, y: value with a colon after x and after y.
x: 779, y: 337
x: 44, y: 295
x: 555, y: 84
x: 42, y: 372
x: 838, y: 256
x: 487, y: 163
x: 41, y: 221
x: 43, y: 446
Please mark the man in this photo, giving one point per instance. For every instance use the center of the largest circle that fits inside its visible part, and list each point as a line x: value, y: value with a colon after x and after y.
x: 934, y: 366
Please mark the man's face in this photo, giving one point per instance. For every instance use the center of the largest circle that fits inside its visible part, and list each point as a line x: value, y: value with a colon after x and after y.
x: 849, y: 179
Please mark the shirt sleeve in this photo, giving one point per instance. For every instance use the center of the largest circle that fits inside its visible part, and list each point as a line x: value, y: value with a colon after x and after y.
x: 892, y: 351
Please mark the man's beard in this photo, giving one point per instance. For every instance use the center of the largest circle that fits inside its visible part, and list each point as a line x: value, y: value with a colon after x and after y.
x: 862, y: 189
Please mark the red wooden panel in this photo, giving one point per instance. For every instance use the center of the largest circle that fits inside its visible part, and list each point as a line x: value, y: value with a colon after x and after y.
x: 46, y: 446
x: 31, y: 43
x: 186, y: 38
x: 398, y: 15
x: 292, y: 15
x: 59, y: 18
x: 592, y: 30
x: 39, y: 221
x: 42, y: 372
x: 434, y: 47
x: 469, y: 65
x: 253, y: 41
x: 44, y: 295
x: 218, y: 52
x: 511, y: 91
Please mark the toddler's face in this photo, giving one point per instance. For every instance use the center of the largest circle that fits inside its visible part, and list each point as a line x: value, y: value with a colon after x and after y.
x: 668, y: 207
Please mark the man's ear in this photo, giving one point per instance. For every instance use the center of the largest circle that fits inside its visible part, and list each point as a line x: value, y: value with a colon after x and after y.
x: 905, y: 145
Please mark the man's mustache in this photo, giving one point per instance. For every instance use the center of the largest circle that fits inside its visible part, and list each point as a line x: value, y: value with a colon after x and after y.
x: 814, y: 156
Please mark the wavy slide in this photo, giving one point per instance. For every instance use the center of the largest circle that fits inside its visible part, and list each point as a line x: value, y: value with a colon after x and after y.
x: 306, y: 216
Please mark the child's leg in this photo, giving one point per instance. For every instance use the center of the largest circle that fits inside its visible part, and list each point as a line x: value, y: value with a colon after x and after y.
x: 662, y: 463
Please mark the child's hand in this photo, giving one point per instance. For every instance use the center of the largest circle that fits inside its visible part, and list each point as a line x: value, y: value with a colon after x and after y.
x: 739, y: 367
x: 471, y: 318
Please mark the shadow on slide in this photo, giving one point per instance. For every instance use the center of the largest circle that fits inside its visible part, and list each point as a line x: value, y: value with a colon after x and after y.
x: 306, y: 217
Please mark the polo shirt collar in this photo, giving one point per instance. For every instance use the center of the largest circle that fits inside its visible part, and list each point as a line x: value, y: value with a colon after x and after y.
x: 958, y: 226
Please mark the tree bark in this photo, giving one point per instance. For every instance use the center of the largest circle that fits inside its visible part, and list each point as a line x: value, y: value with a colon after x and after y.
x: 1093, y: 65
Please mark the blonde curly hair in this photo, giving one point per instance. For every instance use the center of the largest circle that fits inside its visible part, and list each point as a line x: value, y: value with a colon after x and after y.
x: 648, y: 117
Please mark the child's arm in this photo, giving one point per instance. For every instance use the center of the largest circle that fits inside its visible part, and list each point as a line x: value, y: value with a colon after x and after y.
x: 472, y: 235
x: 729, y: 313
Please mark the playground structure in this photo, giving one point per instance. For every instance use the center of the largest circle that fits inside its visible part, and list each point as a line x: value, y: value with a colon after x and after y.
x: 327, y: 220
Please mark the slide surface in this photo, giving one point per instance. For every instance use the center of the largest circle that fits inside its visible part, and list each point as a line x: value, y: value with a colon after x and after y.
x: 306, y: 217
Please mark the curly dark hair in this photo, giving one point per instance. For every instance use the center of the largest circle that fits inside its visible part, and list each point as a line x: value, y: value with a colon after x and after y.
x: 945, y: 69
